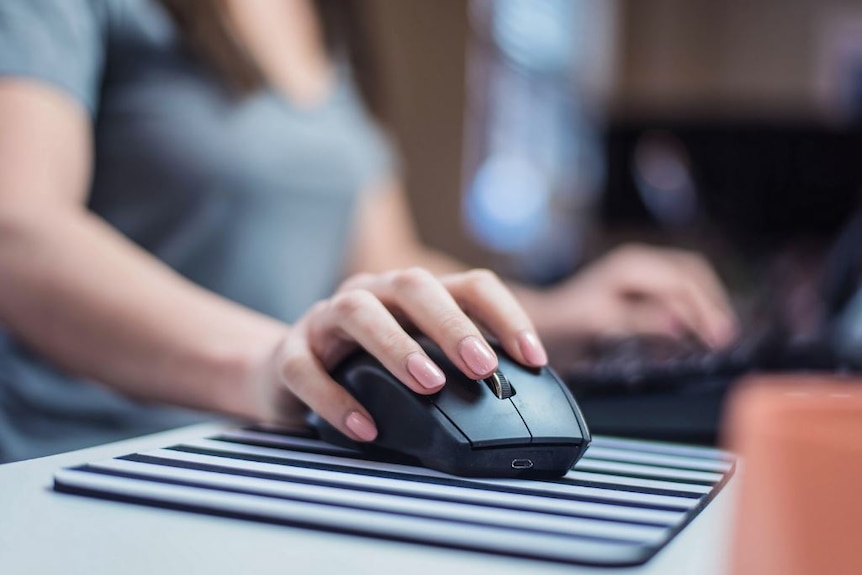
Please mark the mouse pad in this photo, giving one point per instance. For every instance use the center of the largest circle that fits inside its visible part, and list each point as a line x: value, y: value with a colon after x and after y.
x: 619, y: 505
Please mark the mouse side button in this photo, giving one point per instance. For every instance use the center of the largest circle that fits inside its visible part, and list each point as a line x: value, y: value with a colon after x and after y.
x: 391, y: 405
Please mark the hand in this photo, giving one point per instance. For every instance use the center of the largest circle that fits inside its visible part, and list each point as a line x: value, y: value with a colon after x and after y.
x: 638, y: 290
x: 375, y: 312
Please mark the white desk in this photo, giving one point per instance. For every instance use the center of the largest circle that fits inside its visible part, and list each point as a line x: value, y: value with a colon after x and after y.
x: 46, y: 532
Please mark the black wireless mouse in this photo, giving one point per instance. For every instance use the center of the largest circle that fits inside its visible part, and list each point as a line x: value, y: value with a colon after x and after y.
x: 520, y: 422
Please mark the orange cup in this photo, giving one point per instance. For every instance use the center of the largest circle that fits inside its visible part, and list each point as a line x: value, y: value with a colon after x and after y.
x: 800, y: 504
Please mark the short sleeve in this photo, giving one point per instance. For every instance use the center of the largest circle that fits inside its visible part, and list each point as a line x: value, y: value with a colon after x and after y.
x: 60, y: 42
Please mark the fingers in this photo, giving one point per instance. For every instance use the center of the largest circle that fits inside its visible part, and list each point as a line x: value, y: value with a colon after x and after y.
x: 712, y: 323
x: 446, y: 310
x: 363, y: 312
x: 687, y: 304
x: 302, y: 374
x: 359, y: 316
x: 671, y: 317
x: 426, y: 303
x: 683, y: 284
x: 711, y: 298
x: 484, y: 296
x: 694, y: 297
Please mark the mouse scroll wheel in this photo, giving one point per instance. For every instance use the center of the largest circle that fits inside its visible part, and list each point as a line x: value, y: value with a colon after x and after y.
x: 500, y: 385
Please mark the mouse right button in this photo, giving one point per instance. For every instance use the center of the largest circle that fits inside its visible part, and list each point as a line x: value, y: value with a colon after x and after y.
x: 549, y: 415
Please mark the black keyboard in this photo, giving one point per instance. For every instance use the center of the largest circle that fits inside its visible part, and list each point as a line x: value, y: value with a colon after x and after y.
x: 643, y: 364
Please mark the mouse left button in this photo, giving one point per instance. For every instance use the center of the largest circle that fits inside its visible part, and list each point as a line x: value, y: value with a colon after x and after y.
x: 484, y: 419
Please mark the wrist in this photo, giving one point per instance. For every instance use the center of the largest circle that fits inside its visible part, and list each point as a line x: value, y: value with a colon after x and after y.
x: 246, y: 373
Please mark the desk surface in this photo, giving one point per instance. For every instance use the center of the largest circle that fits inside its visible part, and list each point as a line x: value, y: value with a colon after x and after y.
x: 46, y: 532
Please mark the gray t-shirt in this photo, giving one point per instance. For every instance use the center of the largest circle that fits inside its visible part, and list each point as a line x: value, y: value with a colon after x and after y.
x: 251, y: 198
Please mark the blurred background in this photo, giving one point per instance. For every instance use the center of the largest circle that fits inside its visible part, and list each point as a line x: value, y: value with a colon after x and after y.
x: 536, y: 134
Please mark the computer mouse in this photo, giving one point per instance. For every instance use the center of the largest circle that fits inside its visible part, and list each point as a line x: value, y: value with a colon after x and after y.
x: 520, y: 422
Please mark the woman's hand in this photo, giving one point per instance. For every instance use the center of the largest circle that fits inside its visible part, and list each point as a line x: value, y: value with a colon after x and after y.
x: 637, y: 290
x: 375, y: 312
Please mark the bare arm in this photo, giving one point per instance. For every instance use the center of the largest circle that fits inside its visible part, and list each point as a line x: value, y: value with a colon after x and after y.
x: 83, y: 295
x: 87, y: 298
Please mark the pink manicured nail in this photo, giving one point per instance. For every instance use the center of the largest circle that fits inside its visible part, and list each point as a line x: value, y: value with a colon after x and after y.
x: 361, y: 426
x: 477, y: 355
x: 425, y: 371
x: 532, y: 348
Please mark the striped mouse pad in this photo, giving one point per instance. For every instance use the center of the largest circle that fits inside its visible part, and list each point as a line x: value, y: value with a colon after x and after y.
x: 619, y: 505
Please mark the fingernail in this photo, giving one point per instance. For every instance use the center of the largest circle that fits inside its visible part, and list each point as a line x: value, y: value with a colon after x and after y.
x: 477, y: 355
x: 532, y: 349
x: 425, y: 371
x: 361, y: 426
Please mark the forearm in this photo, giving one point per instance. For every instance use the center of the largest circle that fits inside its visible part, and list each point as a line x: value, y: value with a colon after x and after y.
x: 81, y: 294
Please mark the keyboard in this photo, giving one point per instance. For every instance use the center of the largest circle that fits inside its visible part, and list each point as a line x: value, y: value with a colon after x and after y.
x: 646, y: 364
